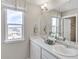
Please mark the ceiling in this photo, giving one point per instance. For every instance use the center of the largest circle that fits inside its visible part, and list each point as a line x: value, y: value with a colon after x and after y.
x: 51, y: 4
x: 72, y: 4
x: 63, y: 5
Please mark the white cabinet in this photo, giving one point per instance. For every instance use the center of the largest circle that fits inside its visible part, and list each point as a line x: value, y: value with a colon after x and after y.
x: 44, y: 57
x: 47, y: 55
x: 35, y: 51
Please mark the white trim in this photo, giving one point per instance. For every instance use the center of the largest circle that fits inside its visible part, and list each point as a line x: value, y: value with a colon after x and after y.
x: 13, y: 41
x: 69, y: 16
x: 77, y: 29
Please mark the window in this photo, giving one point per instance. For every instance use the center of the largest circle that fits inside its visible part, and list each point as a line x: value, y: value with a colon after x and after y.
x: 54, y: 24
x: 14, y: 25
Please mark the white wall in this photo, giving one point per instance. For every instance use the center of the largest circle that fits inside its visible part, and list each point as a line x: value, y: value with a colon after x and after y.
x: 20, y: 50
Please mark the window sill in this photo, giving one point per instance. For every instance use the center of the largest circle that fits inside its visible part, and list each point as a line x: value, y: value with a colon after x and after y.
x: 13, y: 41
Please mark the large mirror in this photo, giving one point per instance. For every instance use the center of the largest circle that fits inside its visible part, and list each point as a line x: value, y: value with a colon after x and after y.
x: 69, y: 28
x: 59, y: 27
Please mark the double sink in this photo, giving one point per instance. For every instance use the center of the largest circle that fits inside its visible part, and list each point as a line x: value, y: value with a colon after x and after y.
x: 62, y: 49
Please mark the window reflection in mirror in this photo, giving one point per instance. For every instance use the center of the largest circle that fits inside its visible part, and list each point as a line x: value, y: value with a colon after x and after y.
x: 55, y: 27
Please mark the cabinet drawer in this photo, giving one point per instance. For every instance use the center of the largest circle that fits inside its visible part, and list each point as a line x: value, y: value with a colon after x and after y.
x: 47, y: 55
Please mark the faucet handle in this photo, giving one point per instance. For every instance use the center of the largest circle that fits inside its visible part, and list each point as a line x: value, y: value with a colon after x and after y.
x: 64, y: 39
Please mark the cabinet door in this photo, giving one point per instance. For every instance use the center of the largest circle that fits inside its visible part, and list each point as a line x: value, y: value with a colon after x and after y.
x: 44, y: 57
x: 47, y: 55
x: 35, y: 51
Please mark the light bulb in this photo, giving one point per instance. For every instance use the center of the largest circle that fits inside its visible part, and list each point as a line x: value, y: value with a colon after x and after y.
x: 45, y: 4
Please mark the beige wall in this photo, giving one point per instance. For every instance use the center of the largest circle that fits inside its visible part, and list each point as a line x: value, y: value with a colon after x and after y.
x: 20, y: 50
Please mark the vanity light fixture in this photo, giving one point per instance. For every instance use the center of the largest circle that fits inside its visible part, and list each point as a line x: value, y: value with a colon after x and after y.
x: 44, y: 7
x: 45, y: 4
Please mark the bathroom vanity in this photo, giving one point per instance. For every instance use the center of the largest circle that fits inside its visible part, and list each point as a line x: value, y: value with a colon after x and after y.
x: 40, y: 50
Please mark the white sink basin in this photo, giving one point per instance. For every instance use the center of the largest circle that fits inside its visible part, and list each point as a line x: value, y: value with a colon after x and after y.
x: 63, y: 50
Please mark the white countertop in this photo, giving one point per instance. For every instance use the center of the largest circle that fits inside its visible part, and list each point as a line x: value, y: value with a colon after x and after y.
x: 50, y: 48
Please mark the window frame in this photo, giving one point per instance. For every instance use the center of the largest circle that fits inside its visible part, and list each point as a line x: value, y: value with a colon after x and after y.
x: 6, y: 25
x: 56, y: 22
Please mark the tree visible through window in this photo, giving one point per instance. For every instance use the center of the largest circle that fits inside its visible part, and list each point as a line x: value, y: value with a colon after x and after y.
x: 14, y: 25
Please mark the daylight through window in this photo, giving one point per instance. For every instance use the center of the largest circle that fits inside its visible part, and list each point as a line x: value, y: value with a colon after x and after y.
x: 14, y: 25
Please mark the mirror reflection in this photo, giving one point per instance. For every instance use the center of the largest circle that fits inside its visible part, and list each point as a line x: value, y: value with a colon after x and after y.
x: 60, y: 28
x: 64, y: 28
x: 70, y: 28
